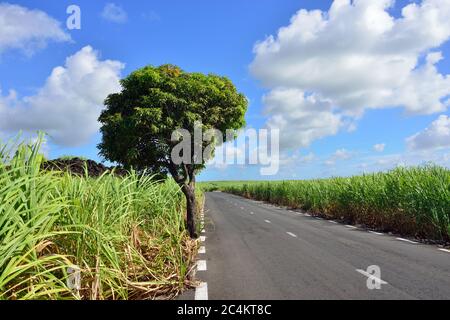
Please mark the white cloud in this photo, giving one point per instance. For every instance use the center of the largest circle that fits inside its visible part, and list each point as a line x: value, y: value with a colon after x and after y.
x: 114, y: 13
x: 69, y: 103
x: 379, y: 147
x: 356, y: 56
x: 27, y: 30
x: 301, y: 119
x: 437, y: 135
x: 340, y: 154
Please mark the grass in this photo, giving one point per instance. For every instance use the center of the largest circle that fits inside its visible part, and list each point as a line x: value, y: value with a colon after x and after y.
x: 411, y: 201
x: 126, y: 235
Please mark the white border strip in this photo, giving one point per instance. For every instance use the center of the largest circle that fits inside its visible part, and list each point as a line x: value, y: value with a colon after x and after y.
x: 201, y: 265
x: 201, y: 292
x: 406, y: 240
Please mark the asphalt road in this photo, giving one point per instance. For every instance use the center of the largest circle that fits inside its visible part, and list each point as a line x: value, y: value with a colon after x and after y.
x: 256, y: 251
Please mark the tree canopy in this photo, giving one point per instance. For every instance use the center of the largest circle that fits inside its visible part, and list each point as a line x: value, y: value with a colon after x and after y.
x: 138, y: 122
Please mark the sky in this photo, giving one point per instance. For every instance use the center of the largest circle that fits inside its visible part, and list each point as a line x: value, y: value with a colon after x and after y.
x: 354, y: 86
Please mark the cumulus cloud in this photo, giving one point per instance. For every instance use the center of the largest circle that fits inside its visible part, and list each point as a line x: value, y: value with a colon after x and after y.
x: 301, y: 119
x: 114, y: 13
x: 68, y: 104
x: 379, y: 147
x: 436, y: 136
x: 357, y: 56
x: 27, y: 30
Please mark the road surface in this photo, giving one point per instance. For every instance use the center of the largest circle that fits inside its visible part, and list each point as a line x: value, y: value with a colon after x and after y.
x: 252, y: 250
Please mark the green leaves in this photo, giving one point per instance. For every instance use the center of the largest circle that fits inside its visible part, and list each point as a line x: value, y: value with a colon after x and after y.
x: 154, y: 102
x: 126, y: 234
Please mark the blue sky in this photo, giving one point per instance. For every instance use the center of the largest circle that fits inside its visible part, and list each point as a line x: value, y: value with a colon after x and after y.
x: 220, y: 37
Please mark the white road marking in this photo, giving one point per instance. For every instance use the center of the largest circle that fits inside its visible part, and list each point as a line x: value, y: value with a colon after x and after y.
x: 406, y: 240
x: 377, y: 233
x: 251, y: 212
x: 371, y: 276
x: 201, y: 265
x: 202, y: 238
x: 203, y: 231
x: 242, y: 208
x: 307, y: 214
x: 352, y: 227
x: 332, y: 221
x: 291, y: 234
x: 444, y: 250
x: 267, y: 221
x: 201, y: 292
x: 202, y: 250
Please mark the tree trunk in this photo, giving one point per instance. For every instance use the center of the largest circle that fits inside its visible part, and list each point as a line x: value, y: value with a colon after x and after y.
x: 191, y: 204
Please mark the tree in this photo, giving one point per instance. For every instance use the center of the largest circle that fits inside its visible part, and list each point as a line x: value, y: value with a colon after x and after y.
x: 138, y: 123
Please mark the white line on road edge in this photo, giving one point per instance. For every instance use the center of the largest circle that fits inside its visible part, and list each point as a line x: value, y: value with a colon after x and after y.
x: 444, y: 250
x: 406, y: 240
x: 352, y: 227
x: 332, y: 221
x: 202, y: 250
x: 201, y: 292
x: 201, y: 265
x: 203, y: 231
x: 202, y: 238
x: 307, y: 214
x: 377, y: 233
x: 371, y: 276
x: 267, y: 221
x: 291, y: 234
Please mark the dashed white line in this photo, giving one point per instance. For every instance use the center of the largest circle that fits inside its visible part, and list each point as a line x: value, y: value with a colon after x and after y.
x: 203, y: 231
x: 267, y: 221
x: 444, y: 250
x: 202, y: 238
x: 351, y: 227
x: 291, y: 234
x: 201, y: 292
x: 332, y: 221
x: 201, y: 265
x: 202, y: 250
x: 371, y: 276
x: 377, y: 233
x: 252, y: 212
x: 406, y: 240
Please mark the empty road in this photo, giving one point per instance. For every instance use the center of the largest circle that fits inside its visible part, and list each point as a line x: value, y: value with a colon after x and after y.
x: 252, y: 250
